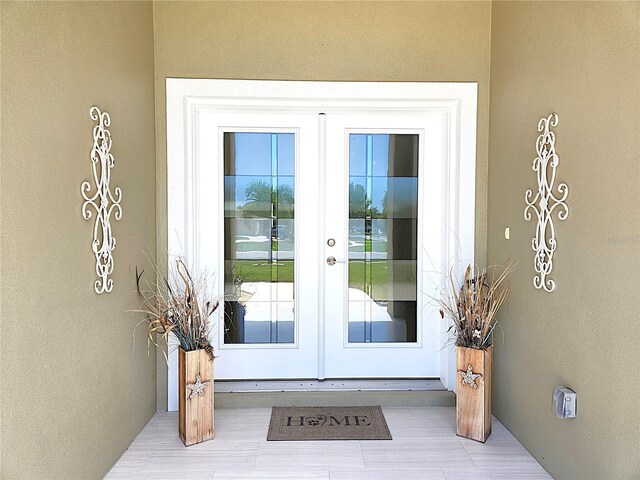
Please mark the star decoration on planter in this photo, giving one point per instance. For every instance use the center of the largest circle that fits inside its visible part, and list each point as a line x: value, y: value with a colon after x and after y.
x: 469, y: 378
x: 197, y: 389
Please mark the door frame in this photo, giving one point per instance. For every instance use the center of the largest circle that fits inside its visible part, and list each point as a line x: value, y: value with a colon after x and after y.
x: 186, y: 98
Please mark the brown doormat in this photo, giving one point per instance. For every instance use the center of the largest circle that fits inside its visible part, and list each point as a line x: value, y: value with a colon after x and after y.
x: 328, y: 423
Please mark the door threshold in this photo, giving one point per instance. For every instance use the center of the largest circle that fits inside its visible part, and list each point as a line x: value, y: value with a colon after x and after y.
x: 329, y: 385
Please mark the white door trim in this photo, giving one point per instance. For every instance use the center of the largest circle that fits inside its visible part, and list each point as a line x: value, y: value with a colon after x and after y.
x: 186, y: 98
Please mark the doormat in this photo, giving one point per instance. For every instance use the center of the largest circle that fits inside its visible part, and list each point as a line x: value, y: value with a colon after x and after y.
x: 328, y: 423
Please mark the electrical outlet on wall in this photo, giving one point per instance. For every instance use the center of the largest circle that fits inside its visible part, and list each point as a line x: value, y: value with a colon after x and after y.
x: 564, y: 402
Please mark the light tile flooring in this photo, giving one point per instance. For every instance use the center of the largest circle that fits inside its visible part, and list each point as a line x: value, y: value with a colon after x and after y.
x: 424, y: 446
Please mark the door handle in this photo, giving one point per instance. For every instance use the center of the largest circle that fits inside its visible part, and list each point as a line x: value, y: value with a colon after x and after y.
x: 331, y: 261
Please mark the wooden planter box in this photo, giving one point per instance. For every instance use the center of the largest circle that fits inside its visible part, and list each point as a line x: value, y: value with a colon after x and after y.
x: 195, y: 401
x: 473, y: 405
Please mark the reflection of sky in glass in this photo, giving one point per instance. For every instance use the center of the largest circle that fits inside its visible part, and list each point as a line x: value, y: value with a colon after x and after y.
x: 378, y: 189
x: 286, y: 154
x: 259, y: 157
x: 380, y: 155
x: 358, y: 154
x: 254, y: 154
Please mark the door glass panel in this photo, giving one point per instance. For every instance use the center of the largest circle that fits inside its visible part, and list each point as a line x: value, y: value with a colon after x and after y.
x: 259, y: 237
x: 383, y: 235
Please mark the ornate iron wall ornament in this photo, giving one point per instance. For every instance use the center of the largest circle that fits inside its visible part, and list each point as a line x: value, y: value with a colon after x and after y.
x: 545, y: 202
x: 103, y: 201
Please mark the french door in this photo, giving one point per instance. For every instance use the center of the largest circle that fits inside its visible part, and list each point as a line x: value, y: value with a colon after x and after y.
x: 259, y: 235
x: 326, y: 214
x: 322, y: 231
x: 383, y: 227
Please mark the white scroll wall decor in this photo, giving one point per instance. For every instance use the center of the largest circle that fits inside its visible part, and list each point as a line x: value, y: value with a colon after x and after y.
x: 103, y: 201
x: 545, y: 203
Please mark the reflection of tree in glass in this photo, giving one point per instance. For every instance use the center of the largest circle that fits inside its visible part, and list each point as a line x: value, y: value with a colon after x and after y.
x: 261, y: 195
x: 360, y: 205
x: 359, y: 201
x: 384, y: 205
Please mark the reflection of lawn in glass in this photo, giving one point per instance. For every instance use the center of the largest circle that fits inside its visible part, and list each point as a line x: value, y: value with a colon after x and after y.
x: 263, y: 271
x: 369, y: 246
x: 283, y: 245
x: 377, y: 276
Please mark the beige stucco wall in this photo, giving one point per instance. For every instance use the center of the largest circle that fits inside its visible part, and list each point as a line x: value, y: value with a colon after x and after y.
x: 347, y: 41
x: 74, y: 392
x: 581, y: 60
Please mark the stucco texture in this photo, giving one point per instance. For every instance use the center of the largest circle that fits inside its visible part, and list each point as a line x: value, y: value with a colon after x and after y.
x: 74, y: 391
x: 332, y: 41
x: 582, y: 61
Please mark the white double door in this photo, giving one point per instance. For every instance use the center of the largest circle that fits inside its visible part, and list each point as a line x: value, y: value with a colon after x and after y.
x: 324, y: 232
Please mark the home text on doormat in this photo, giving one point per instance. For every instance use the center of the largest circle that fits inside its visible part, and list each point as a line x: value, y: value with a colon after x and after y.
x: 328, y: 423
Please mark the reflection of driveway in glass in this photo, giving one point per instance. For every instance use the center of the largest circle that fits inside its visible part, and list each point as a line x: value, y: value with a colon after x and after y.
x: 268, y: 312
x: 262, y: 248
x: 264, y: 255
x: 264, y: 293
x: 367, y: 255
x: 268, y: 304
x: 252, y: 238
x: 368, y: 319
x: 266, y: 301
x: 280, y: 232
x: 375, y: 238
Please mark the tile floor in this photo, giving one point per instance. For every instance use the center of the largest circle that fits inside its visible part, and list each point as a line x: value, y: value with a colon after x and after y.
x: 424, y: 447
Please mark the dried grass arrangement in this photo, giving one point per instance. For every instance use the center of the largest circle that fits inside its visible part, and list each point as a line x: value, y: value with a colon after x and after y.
x: 178, y: 304
x: 472, y: 304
